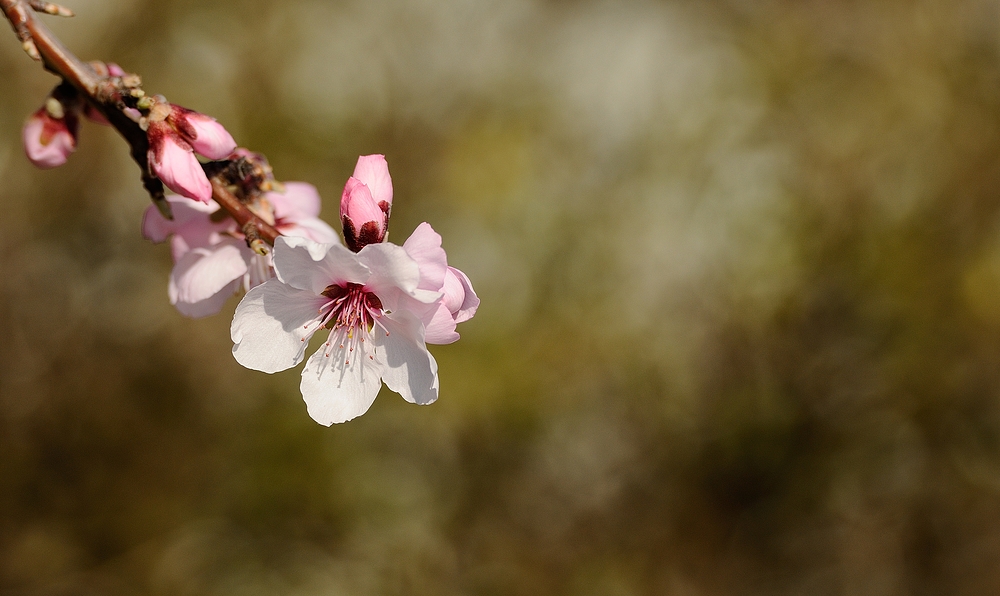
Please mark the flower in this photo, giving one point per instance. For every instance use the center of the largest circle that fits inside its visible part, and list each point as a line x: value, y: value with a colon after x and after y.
x: 370, y: 304
x: 211, y: 258
x: 50, y: 134
x: 379, y: 303
x: 174, y: 135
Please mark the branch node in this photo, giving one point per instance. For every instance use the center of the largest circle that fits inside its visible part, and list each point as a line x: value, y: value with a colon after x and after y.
x: 254, y: 241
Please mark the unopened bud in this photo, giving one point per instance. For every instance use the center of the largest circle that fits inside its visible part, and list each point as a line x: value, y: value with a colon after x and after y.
x: 363, y: 220
x: 203, y: 133
x: 172, y: 160
x: 49, y: 141
x: 55, y: 108
x: 31, y: 50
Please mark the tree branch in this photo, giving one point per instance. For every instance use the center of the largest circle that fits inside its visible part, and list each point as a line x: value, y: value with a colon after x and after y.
x: 112, y: 96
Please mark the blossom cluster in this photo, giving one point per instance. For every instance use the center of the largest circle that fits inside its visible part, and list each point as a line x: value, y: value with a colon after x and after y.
x: 374, y: 305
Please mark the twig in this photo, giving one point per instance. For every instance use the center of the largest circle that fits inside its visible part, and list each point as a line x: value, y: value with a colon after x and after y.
x: 108, y: 95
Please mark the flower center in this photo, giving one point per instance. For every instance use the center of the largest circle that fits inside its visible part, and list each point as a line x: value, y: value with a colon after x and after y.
x: 350, y: 315
x: 351, y: 307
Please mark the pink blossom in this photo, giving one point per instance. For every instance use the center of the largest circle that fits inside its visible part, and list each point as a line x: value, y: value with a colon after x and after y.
x: 172, y: 160
x: 211, y: 258
x: 49, y: 135
x: 368, y: 302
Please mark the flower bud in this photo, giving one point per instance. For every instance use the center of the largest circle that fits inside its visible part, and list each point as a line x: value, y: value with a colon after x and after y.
x: 49, y: 135
x: 206, y: 136
x: 364, y: 221
x: 172, y: 160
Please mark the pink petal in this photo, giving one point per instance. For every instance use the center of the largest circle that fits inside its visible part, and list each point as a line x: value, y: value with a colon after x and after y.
x: 174, y: 163
x: 470, y: 302
x: 212, y: 140
x: 272, y: 325
x: 189, y: 216
x: 48, y: 142
x: 373, y: 171
x: 424, y: 246
x: 439, y: 325
x: 299, y: 201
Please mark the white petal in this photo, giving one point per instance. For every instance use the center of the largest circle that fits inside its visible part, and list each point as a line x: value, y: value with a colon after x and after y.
x: 410, y: 369
x: 308, y: 265
x: 272, y: 326
x: 394, y: 275
x: 338, y: 385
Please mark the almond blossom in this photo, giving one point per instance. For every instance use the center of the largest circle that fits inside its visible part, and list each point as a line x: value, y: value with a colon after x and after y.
x: 377, y: 304
x: 211, y: 258
x: 366, y: 303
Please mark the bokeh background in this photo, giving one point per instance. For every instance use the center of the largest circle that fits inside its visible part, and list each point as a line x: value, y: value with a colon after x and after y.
x: 739, y: 263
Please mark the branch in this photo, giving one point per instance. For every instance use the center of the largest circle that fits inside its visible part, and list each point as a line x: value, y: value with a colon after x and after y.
x: 116, y: 98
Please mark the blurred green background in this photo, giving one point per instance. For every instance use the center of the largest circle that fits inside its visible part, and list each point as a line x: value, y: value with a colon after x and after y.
x: 739, y: 263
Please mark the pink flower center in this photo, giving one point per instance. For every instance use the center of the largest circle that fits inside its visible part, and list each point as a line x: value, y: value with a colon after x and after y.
x: 351, y: 307
x: 350, y: 315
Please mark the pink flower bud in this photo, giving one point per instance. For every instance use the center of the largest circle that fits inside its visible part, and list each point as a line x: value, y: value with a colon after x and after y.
x: 364, y: 221
x: 206, y: 136
x: 49, y: 135
x: 172, y: 160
